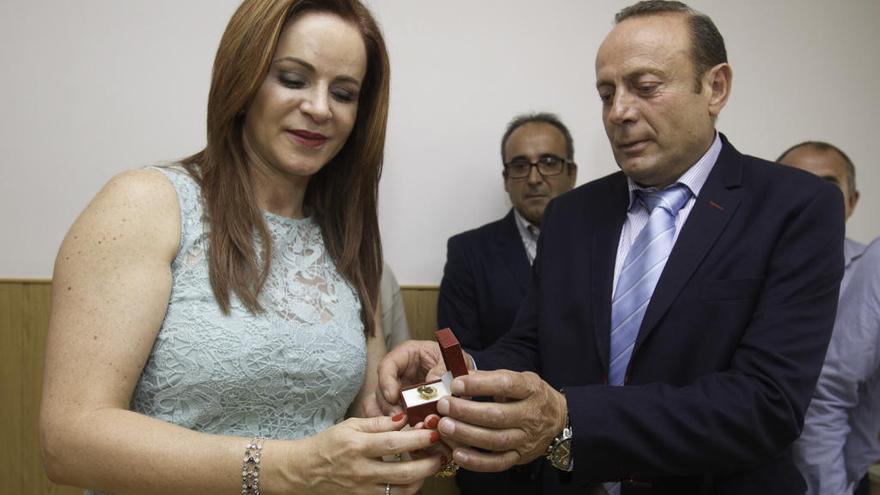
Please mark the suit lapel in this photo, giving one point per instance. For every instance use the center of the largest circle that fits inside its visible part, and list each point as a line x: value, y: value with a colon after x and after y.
x: 512, y: 251
x: 606, y: 237
x: 713, y: 209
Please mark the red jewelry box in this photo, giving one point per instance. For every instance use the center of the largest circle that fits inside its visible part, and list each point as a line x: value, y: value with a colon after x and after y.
x: 421, y: 400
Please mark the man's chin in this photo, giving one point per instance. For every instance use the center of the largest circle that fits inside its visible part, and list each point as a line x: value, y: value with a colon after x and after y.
x: 533, y: 215
x: 638, y: 169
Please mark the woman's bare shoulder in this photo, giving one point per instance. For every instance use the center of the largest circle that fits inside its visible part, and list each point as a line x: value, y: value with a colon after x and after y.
x: 146, y: 187
x: 135, y: 214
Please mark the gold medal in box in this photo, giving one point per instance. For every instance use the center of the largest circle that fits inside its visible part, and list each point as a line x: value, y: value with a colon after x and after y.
x: 421, y: 400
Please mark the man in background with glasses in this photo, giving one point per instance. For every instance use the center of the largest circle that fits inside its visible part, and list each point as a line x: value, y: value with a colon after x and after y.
x: 487, y: 269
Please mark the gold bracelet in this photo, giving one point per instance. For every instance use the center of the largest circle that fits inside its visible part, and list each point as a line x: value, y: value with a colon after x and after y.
x: 250, y: 468
x: 448, y: 470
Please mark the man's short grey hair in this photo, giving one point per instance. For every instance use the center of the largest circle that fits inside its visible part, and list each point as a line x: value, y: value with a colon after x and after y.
x: 542, y: 118
x: 823, y: 146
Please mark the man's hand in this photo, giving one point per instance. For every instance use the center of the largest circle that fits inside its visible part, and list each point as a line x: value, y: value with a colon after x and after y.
x: 515, y: 431
x: 409, y: 363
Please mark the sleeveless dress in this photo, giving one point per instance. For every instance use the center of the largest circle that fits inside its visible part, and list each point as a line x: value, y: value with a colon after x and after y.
x: 286, y: 373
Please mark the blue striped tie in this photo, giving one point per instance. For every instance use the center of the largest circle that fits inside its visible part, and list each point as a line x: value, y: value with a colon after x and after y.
x: 640, y: 272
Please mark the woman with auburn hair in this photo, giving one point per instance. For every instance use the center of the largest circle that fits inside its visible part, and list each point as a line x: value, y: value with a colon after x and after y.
x: 214, y: 321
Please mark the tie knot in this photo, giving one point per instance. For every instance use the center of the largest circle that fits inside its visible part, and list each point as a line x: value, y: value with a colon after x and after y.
x: 670, y: 199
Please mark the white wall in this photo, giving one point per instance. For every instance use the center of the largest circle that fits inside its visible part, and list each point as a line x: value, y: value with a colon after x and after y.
x: 93, y: 87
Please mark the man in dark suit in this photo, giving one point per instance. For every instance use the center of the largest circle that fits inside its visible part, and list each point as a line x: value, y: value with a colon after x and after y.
x: 678, y: 311
x: 487, y: 269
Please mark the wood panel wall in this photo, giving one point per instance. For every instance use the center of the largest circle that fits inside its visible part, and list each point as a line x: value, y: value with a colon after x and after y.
x: 24, y: 319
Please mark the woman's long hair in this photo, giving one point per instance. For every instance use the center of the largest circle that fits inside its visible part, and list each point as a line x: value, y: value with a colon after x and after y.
x: 342, y: 196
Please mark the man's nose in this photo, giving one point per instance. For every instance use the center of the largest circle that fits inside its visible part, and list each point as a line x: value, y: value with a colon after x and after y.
x: 534, y: 176
x: 622, y: 109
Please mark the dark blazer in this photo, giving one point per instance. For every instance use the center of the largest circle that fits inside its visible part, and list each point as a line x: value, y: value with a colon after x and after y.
x: 484, y: 283
x: 730, y: 347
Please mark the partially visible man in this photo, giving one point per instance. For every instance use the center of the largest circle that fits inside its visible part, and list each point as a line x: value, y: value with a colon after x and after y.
x: 839, y: 440
x: 832, y: 164
x: 679, y: 310
x: 393, y: 312
x: 487, y: 269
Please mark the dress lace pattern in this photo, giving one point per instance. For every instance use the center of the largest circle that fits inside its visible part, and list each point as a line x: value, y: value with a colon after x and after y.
x: 286, y: 373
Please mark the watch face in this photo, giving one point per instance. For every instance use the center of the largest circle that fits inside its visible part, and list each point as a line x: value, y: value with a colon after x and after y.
x: 561, y: 456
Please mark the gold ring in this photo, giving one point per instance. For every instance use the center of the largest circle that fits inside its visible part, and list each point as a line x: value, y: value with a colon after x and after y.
x: 427, y: 392
x: 448, y: 470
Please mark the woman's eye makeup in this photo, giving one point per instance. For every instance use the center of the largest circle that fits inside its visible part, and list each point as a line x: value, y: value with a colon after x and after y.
x: 295, y: 80
x: 292, y: 80
x: 343, y: 95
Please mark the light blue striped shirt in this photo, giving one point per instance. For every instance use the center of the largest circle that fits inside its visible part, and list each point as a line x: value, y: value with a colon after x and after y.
x: 839, y: 440
x: 637, y: 216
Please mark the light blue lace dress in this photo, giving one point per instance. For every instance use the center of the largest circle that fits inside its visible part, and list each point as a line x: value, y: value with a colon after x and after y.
x: 287, y: 373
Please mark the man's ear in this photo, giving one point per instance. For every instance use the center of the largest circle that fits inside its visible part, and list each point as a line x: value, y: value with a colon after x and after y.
x: 718, y: 82
x: 853, y: 200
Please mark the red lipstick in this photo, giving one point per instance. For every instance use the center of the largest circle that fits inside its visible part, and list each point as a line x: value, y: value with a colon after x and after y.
x: 307, y: 139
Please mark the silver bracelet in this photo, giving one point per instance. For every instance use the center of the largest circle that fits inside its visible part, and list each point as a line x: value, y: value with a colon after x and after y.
x: 250, y: 468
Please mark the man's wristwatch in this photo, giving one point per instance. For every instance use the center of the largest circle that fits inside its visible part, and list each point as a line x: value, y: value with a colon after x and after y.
x: 559, y: 450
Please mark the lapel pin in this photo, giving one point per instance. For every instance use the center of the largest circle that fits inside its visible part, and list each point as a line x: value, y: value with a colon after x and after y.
x: 716, y: 205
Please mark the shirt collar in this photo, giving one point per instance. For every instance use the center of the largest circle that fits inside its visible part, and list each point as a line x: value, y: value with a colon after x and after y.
x: 852, y: 251
x: 526, y: 227
x: 694, y: 177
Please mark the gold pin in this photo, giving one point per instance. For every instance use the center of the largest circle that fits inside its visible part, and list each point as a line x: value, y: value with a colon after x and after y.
x: 427, y: 392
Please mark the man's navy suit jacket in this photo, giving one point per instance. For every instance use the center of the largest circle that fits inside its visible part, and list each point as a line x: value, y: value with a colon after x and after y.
x: 730, y: 347
x: 484, y: 283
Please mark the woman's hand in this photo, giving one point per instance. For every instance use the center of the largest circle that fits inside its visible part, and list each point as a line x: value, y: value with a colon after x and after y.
x: 407, y: 364
x: 347, y: 458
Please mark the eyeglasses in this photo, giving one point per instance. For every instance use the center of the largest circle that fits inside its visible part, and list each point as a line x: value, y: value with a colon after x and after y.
x: 548, y: 165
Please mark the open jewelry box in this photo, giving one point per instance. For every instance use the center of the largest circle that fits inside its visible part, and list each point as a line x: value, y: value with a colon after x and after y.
x: 421, y: 400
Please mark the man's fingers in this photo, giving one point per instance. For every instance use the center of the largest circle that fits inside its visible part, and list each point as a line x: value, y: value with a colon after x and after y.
x: 502, y: 383
x: 485, y: 462
x: 488, y: 414
x: 497, y: 440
